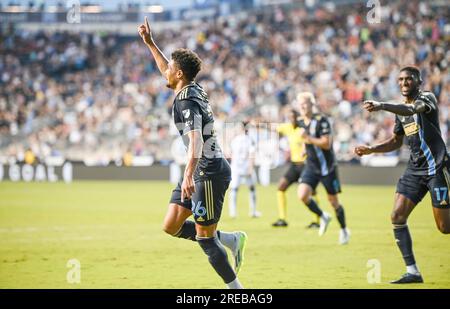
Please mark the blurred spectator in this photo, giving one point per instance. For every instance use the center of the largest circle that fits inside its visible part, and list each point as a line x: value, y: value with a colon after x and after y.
x: 100, y: 96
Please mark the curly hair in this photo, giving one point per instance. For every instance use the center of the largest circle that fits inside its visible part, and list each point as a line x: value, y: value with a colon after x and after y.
x: 188, y: 62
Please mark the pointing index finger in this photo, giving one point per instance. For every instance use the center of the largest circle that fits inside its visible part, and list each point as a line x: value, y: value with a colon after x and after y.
x: 146, y: 24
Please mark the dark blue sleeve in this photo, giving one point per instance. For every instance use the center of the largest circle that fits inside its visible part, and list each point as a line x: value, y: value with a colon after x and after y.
x: 398, y: 127
x: 324, y: 127
x: 190, y: 116
x: 429, y: 99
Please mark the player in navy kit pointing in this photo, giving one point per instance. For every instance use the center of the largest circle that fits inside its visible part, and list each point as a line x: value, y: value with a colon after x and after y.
x: 207, y: 174
x: 416, y: 120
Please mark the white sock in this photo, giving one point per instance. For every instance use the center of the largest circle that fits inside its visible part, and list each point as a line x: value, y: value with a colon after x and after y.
x: 253, y: 202
x: 324, y: 216
x: 235, y: 284
x: 412, y: 269
x: 227, y: 239
x: 233, y: 197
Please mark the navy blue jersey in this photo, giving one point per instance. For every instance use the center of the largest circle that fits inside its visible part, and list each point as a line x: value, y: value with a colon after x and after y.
x: 192, y: 111
x: 320, y: 160
x: 423, y: 136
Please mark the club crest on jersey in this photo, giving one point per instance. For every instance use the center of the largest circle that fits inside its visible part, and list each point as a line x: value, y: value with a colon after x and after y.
x: 186, y: 113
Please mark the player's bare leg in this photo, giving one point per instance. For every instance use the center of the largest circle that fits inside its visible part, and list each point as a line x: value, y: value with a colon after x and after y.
x: 217, y: 256
x: 234, y: 187
x: 442, y: 219
x: 253, y: 212
x: 403, y: 207
x: 344, y: 234
x: 251, y: 181
x: 283, y: 185
x: 176, y: 224
x: 304, y: 193
x: 233, y: 201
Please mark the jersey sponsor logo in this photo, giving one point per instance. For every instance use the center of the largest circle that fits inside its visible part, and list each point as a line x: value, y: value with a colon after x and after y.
x: 186, y: 113
x: 411, y: 128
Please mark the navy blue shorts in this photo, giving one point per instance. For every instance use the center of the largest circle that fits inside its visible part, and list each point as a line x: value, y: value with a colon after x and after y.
x: 415, y: 187
x: 330, y: 182
x: 206, y: 202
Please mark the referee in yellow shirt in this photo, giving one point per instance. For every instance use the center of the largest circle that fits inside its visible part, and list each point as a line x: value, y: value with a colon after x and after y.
x: 292, y: 131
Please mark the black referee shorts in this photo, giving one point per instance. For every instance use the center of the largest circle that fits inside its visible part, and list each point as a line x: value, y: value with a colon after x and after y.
x: 293, y: 172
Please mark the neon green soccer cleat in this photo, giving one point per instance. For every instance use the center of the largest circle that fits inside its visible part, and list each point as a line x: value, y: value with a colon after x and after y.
x: 239, y: 252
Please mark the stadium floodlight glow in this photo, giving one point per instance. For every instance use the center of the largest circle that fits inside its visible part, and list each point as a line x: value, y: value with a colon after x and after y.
x: 155, y: 9
x: 53, y: 9
x: 14, y: 9
x: 91, y: 9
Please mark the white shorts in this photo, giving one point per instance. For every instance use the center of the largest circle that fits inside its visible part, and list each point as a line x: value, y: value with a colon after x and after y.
x: 237, y: 179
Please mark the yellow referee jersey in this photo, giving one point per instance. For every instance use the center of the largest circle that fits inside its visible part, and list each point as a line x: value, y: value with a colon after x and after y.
x: 296, y: 143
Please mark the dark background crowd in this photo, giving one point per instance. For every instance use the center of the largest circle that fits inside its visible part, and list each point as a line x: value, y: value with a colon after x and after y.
x: 99, y: 97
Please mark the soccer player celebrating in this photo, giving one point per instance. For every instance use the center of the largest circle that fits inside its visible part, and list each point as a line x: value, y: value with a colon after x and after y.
x: 243, y: 150
x: 321, y: 165
x: 207, y: 174
x: 292, y: 131
x: 417, y: 119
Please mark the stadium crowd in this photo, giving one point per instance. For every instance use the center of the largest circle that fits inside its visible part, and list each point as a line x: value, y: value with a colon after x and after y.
x: 99, y: 96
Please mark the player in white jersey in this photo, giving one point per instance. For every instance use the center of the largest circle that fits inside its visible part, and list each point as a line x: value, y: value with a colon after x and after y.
x: 243, y: 151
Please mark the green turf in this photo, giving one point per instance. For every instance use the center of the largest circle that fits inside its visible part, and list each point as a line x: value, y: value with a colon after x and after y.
x: 114, y: 230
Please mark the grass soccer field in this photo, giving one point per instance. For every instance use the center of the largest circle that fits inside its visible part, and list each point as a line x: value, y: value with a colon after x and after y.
x: 114, y: 230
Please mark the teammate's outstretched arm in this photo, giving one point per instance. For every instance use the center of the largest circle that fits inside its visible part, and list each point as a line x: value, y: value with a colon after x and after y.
x: 401, y: 109
x: 394, y: 143
x: 145, y: 33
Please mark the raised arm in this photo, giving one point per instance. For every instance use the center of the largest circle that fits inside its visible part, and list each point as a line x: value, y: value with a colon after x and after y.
x: 394, y: 143
x: 146, y: 35
x: 401, y: 109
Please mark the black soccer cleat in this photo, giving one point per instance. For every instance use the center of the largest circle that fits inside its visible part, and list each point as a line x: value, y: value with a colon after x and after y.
x: 409, y: 278
x: 280, y: 223
x: 313, y: 225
